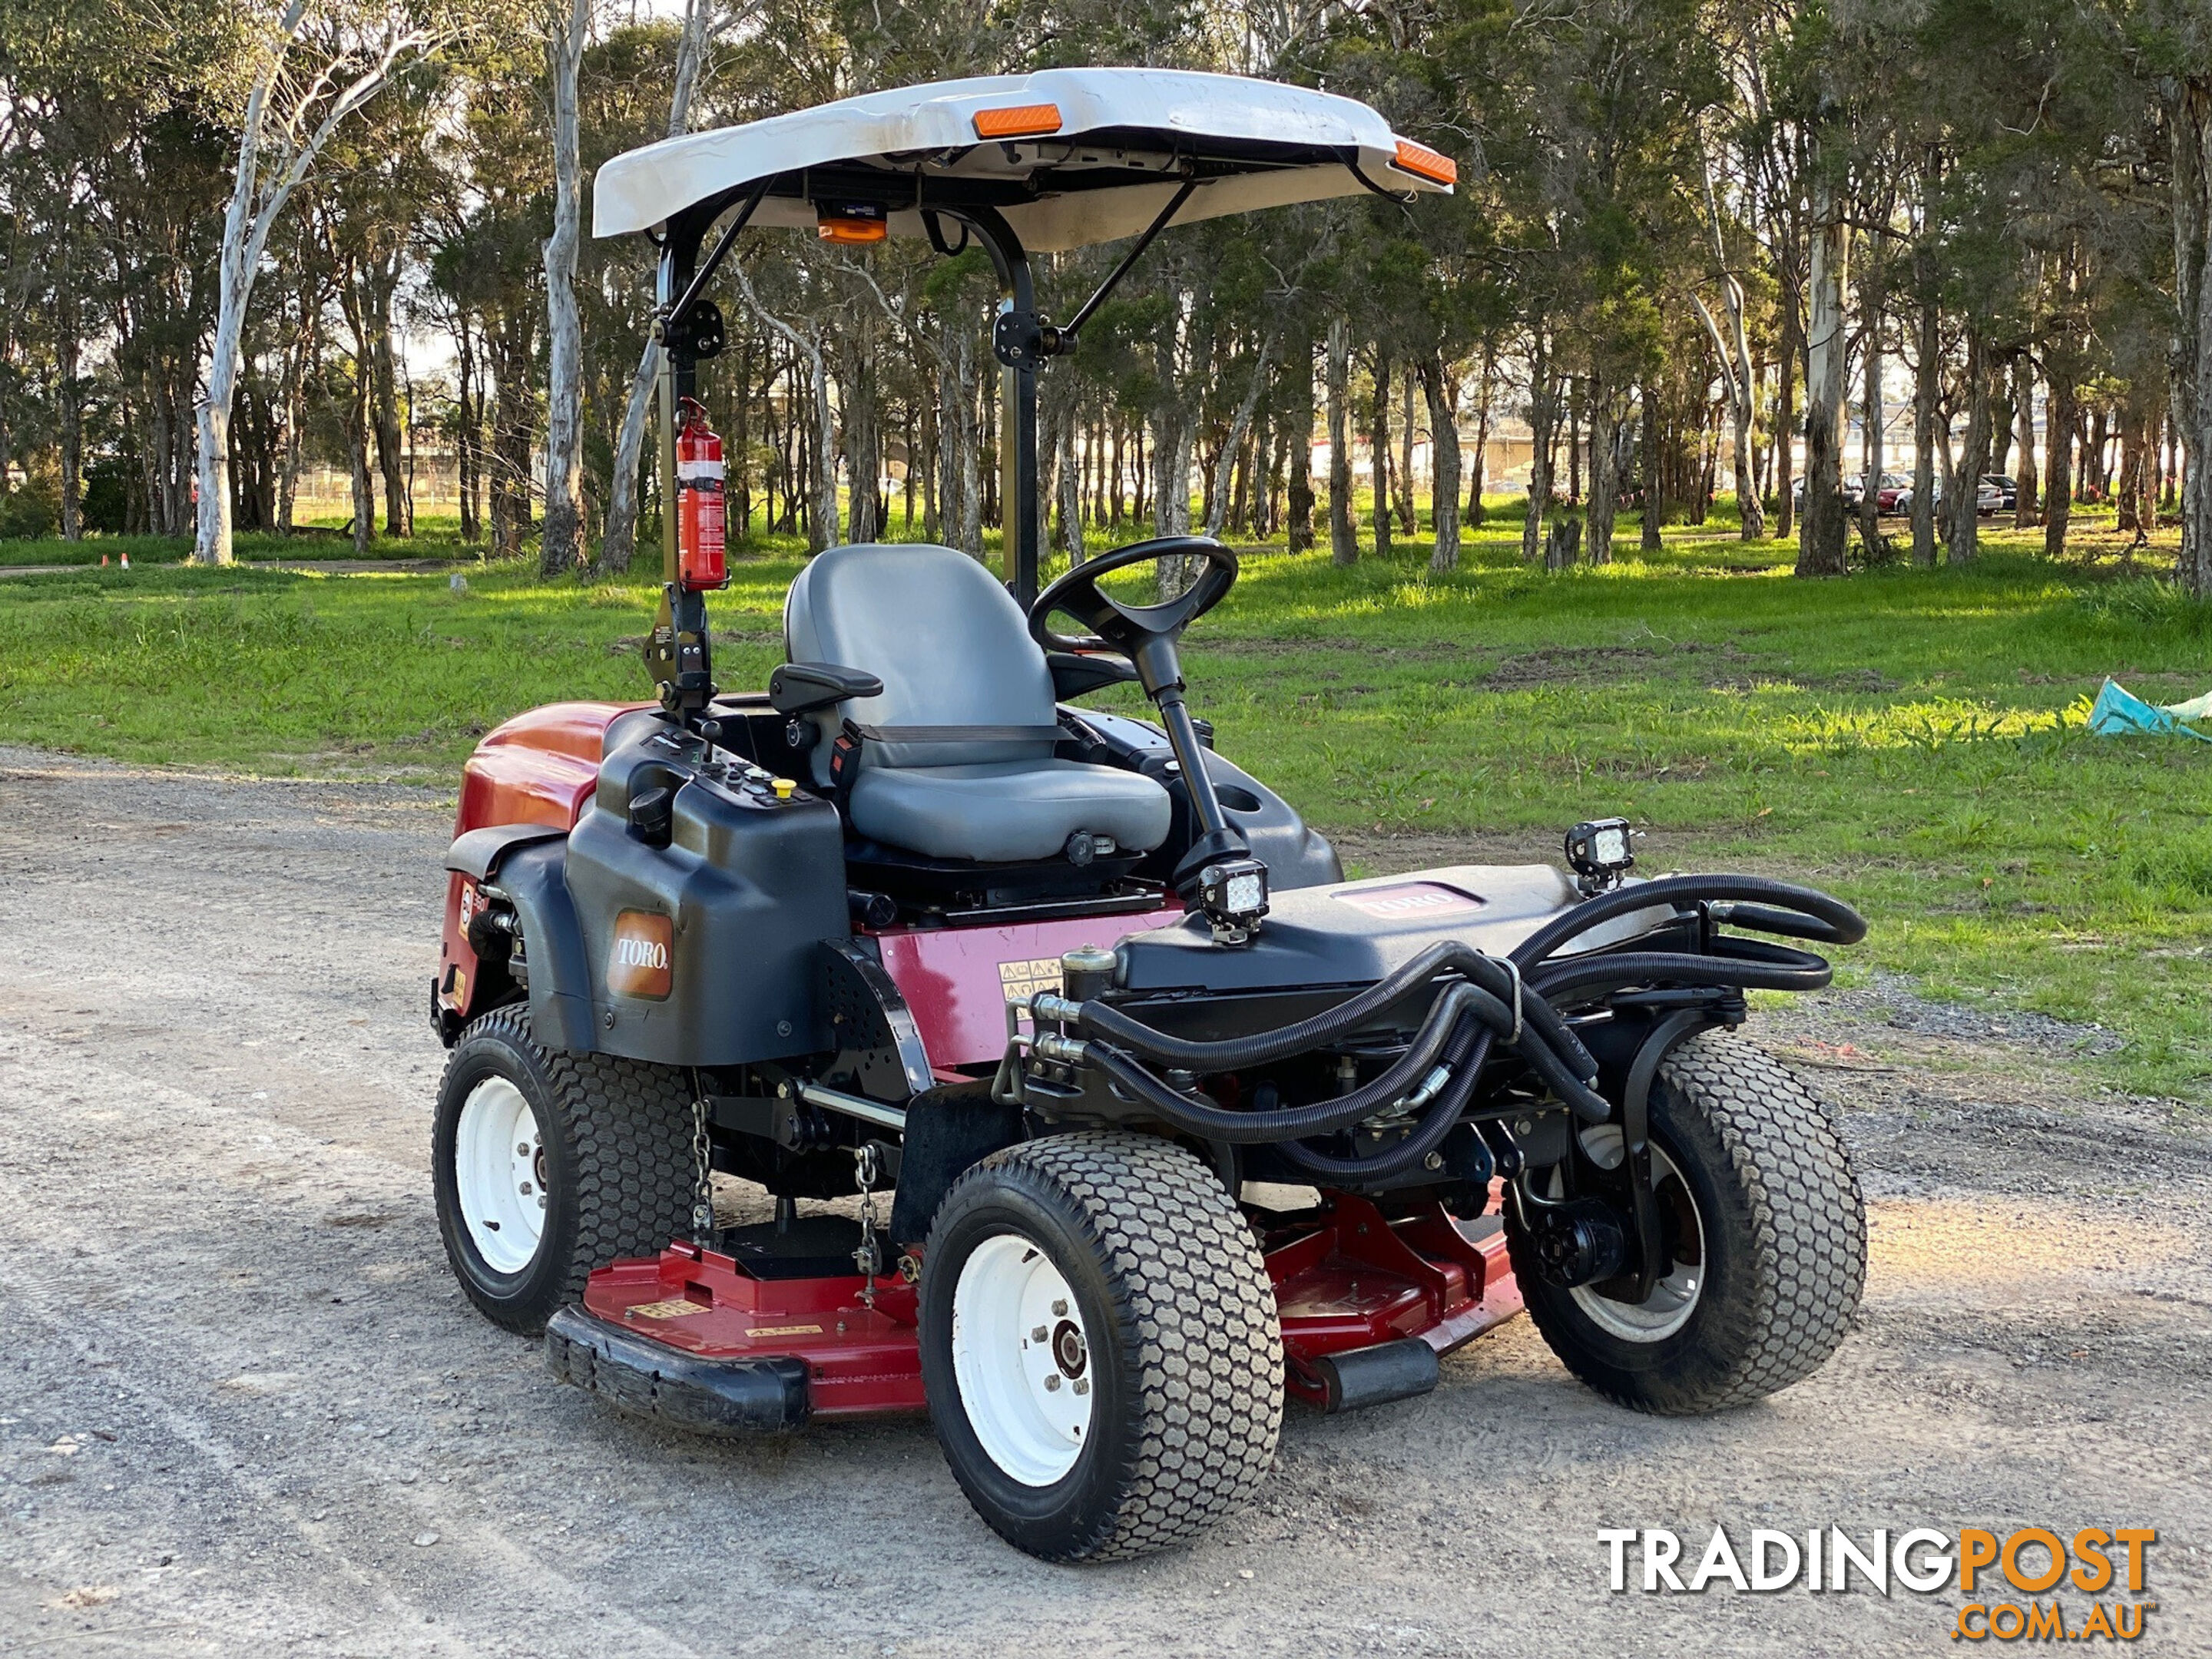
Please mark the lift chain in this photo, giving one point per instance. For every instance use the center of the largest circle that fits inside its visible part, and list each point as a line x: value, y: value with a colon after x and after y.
x: 869, y: 1257
x: 703, y: 1171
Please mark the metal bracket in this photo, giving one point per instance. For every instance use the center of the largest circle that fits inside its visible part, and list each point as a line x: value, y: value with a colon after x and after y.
x: 1635, y: 1137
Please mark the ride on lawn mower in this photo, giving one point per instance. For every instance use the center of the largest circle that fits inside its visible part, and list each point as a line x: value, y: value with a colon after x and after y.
x: 1172, y: 1120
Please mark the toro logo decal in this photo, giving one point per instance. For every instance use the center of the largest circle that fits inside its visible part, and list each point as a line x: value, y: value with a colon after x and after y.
x: 640, y: 964
x: 1415, y: 898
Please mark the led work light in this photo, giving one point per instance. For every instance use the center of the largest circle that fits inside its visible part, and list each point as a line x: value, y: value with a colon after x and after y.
x: 1601, y: 852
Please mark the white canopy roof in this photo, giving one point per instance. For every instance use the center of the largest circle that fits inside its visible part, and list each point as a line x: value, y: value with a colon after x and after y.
x: 1070, y: 149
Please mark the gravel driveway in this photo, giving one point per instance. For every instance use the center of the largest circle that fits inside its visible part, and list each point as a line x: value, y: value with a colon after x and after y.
x: 244, y: 1409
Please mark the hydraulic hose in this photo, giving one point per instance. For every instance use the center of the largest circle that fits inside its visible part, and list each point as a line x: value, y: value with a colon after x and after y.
x: 1846, y: 925
x: 1235, y: 1053
x: 1746, y: 964
x: 1209, y: 1121
x: 1439, y: 1120
x: 1203, y: 1118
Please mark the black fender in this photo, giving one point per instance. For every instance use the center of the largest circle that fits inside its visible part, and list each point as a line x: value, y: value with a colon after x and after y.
x: 534, y: 878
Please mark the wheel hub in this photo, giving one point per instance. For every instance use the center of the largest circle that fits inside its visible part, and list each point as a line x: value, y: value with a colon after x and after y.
x: 1021, y: 1359
x: 500, y: 1175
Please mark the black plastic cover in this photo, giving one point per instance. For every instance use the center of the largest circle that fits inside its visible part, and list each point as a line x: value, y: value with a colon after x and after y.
x: 714, y: 1396
x: 741, y: 898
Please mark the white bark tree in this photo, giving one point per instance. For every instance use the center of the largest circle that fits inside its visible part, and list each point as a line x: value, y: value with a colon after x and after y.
x: 824, y: 531
x: 299, y: 93
x: 568, y: 31
x: 1737, y: 370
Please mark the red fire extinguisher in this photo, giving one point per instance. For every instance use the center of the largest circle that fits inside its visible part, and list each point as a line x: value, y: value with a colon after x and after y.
x: 701, y: 521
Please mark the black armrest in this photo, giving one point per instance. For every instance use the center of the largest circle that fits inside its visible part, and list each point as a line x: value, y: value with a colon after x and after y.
x: 800, y: 688
x: 1074, y: 676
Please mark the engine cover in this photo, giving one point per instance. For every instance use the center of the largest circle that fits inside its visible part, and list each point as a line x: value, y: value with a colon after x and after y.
x: 1353, y: 932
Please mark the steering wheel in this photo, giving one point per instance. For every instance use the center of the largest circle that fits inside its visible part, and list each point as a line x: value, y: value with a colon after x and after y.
x: 1125, y: 628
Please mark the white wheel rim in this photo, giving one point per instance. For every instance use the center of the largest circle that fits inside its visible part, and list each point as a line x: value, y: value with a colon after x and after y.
x: 1022, y: 1360
x: 499, y: 1174
x: 1675, y: 1297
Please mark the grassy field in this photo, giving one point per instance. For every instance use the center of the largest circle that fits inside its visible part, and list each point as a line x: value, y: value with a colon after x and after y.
x: 1914, y: 739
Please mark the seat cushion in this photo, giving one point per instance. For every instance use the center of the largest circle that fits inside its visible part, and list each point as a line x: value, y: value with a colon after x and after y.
x: 1002, y: 812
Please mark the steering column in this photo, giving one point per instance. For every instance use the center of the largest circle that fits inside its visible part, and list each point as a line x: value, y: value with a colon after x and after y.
x: 1218, y: 875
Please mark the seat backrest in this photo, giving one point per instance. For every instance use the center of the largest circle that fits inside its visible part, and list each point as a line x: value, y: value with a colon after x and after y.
x: 963, y: 679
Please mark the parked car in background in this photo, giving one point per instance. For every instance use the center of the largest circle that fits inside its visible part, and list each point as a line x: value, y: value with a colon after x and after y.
x: 2007, y: 491
x: 1854, y: 493
x: 1988, y: 498
x: 1886, y: 493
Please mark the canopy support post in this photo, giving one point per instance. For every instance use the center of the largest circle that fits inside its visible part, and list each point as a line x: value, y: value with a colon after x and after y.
x: 676, y: 653
x: 1016, y: 341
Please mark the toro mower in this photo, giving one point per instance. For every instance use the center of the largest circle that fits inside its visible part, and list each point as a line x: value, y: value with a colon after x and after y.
x: 1151, y: 1117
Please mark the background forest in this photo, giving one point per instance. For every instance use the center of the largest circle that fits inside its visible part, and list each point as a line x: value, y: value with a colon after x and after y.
x: 1695, y: 246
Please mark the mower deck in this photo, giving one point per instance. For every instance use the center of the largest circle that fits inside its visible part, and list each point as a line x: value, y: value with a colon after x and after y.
x: 728, y: 1341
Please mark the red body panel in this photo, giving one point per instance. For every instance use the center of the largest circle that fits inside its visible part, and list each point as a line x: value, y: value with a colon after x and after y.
x: 1349, y: 1279
x: 539, y: 767
x: 956, y: 980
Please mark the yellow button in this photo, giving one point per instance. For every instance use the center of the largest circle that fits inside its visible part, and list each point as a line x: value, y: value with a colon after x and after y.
x: 783, y: 788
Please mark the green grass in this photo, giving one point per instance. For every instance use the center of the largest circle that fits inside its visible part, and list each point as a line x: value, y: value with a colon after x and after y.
x: 1914, y: 740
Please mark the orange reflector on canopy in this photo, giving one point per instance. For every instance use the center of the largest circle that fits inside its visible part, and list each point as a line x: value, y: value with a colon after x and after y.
x: 1426, y: 163
x: 1018, y: 121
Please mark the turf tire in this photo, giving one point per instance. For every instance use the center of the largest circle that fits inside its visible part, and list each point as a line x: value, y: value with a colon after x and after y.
x: 1186, y: 1353
x: 616, y: 1135
x: 1785, y: 1241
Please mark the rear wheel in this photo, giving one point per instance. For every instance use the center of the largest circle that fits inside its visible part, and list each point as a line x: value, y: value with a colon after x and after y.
x: 1099, y: 1345
x: 1760, y: 1210
x: 548, y: 1165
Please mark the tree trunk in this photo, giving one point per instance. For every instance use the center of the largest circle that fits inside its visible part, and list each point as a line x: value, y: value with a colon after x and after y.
x: 1378, y: 447
x: 383, y: 282
x: 2188, y: 99
x: 1785, y: 417
x: 1604, y: 414
x: 1343, y: 531
x: 1486, y: 390
x: 1870, y: 317
x: 1409, y: 516
x: 1655, y: 499
x: 562, y: 547
x: 1966, y: 487
x: 1541, y: 416
x: 2058, y: 459
x: 1299, y: 424
x: 1821, y: 546
x: 69, y: 394
x: 2025, y: 503
x: 1441, y: 387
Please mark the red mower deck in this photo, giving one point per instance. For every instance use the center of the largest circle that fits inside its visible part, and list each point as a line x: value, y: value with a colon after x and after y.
x: 1367, y: 1306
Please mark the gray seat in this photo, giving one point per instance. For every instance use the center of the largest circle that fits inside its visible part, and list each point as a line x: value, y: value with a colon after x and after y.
x: 956, y: 761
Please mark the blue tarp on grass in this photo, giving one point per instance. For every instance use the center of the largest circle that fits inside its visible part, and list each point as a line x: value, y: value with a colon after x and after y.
x: 2118, y: 713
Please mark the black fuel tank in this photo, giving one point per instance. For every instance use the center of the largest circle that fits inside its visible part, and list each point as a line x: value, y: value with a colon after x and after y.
x: 702, y: 952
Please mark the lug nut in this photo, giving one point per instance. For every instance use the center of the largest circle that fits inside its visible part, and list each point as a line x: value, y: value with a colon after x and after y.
x: 1039, y: 1334
x: 1083, y: 1385
x: 1052, y: 1383
x: 522, y: 1150
x: 526, y: 1190
x: 1060, y: 1310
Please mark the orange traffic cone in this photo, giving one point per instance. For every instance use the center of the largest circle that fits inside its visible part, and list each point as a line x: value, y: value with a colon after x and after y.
x: 126, y: 561
x: 103, y: 562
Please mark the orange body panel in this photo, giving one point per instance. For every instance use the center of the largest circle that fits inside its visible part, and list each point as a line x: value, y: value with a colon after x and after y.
x: 541, y: 767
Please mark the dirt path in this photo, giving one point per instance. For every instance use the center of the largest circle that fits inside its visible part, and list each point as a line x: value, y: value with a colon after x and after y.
x: 244, y: 1408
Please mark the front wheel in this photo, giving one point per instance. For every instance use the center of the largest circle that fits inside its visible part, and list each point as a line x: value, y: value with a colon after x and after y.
x: 1099, y: 1345
x: 548, y: 1165
x: 1765, y: 1231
